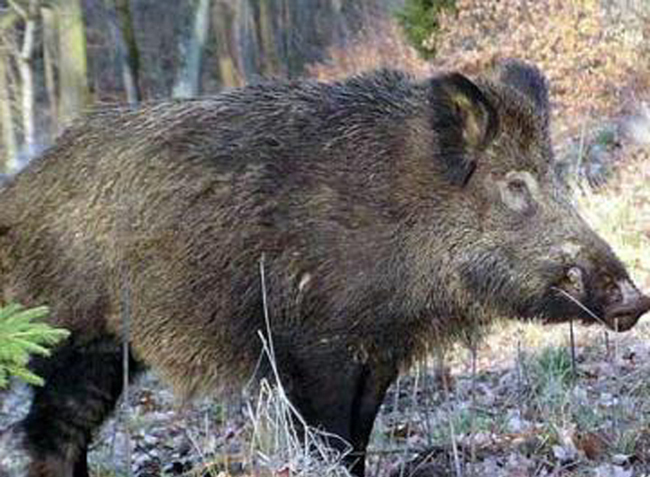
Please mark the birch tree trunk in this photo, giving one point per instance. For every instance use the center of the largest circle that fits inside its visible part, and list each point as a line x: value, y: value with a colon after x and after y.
x: 9, y: 141
x: 9, y: 161
x: 26, y: 72
x: 189, y: 75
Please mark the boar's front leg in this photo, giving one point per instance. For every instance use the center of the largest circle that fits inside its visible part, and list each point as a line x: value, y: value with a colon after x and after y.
x: 336, y: 393
x: 370, y: 391
x: 83, y: 381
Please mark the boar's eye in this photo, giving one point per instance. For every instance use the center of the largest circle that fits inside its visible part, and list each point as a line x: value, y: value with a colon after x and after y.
x: 517, y: 186
x: 516, y: 192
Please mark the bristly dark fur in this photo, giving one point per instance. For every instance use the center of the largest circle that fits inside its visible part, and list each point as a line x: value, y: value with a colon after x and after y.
x: 529, y: 81
x: 379, y: 204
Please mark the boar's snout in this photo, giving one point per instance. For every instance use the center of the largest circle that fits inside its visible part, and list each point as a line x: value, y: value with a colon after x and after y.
x: 618, y: 303
x: 625, y: 304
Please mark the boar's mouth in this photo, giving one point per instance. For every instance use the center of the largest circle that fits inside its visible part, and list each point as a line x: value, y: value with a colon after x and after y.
x: 617, y: 304
x: 624, y: 316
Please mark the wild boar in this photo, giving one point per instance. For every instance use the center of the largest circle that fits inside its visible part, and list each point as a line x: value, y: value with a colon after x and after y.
x: 389, y: 214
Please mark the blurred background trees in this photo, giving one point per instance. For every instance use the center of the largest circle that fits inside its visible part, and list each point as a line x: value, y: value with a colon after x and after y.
x: 58, y: 57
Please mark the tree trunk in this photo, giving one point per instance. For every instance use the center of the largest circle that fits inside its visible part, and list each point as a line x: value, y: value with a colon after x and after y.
x: 127, y: 48
x: 50, y: 61
x: 260, y: 55
x: 265, y: 16
x: 189, y: 76
x: 224, y: 16
x: 248, y: 39
x: 73, y: 70
x: 9, y: 162
x: 26, y: 71
x: 281, y: 37
x: 9, y: 141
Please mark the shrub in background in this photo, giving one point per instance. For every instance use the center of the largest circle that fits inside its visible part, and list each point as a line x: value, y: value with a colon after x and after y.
x: 421, y: 23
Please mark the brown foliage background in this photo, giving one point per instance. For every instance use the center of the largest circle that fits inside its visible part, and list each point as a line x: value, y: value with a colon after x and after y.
x: 595, y: 53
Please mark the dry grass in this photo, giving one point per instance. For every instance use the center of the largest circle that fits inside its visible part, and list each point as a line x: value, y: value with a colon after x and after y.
x: 282, y: 443
x: 621, y: 214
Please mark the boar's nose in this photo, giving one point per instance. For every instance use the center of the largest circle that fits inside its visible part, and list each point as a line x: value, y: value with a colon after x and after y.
x: 625, y: 305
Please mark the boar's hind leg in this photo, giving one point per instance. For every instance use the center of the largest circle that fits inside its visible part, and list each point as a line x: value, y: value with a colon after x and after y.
x: 82, y: 384
x: 342, y: 399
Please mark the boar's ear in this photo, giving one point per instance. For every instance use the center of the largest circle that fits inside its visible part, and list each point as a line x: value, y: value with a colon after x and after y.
x: 527, y: 79
x: 465, y: 121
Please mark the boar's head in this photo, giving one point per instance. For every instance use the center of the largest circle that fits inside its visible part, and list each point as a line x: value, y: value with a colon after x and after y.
x: 520, y: 247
